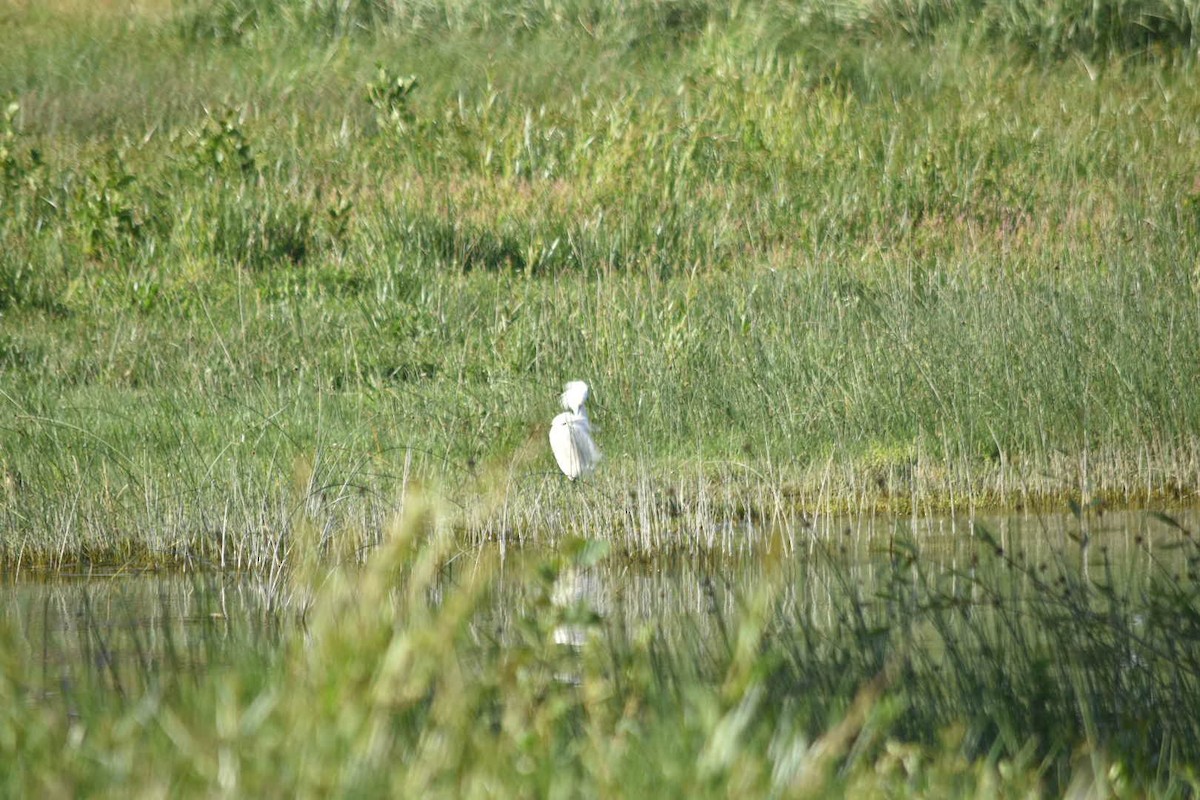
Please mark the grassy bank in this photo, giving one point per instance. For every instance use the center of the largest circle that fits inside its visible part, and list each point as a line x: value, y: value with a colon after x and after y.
x: 912, y: 256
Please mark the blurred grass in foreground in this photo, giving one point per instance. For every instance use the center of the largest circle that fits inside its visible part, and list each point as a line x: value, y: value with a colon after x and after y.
x: 1010, y: 672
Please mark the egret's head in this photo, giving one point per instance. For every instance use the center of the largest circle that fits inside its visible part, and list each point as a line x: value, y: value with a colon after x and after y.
x: 574, y: 396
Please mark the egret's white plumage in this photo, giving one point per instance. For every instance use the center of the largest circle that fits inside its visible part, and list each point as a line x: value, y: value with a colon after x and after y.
x: 571, y: 433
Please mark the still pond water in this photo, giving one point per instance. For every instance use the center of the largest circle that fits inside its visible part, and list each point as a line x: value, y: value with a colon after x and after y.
x: 123, y: 630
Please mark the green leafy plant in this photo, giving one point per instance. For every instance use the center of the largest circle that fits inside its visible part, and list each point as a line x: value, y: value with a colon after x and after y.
x: 222, y: 146
x: 108, y: 209
x: 390, y: 94
x: 17, y: 168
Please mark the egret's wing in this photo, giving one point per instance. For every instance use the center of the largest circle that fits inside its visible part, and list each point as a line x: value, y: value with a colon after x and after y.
x: 581, y: 438
x: 562, y: 444
x: 572, y: 445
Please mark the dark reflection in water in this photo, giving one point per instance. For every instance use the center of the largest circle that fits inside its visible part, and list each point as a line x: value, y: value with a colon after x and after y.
x: 859, y: 556
x: 126, y: 632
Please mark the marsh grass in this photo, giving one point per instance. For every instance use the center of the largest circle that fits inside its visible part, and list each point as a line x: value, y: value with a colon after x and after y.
x: 878, y: 255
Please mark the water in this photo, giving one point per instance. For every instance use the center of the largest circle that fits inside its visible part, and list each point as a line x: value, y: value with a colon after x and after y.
x: 127, y: 631
x: 857, y: 555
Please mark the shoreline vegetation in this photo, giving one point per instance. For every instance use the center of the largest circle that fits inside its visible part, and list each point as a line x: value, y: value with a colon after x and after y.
x: 707, y: 511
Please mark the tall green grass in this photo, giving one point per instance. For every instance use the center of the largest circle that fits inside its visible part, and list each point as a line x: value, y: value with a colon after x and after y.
x: 810, y: 257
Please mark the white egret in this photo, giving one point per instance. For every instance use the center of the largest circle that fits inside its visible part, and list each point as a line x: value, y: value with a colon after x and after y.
x: 571, y: 433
